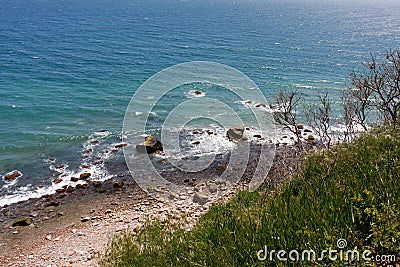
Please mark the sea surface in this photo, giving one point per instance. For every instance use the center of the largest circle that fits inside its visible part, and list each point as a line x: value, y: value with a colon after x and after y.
x: 69, y: 68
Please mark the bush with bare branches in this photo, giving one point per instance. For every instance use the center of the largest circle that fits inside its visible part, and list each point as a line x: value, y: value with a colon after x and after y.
x: 319, y: 118
x: 288, y: 104
x: 377, y: 86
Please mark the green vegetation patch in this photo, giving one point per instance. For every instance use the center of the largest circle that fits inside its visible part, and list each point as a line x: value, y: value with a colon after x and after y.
x: 351, y: 192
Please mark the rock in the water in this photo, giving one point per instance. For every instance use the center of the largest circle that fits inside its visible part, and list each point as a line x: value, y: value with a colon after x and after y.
x: 57, y: 180
x: 235, y: 133
x: 150, y: 145
x: 23, y: 221
x: 121, y: 145
x: 300, y: 126
x: 261, y: 105
x: 197, y: 92
x: 307, y: 131
x: 200, y: 198
x: 74, y: 179
x: 12, y: 175
x: 84, y: 175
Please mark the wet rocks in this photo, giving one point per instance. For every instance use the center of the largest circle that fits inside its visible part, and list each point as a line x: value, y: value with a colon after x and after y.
x: 235, y: 133
x: 94, y: 142
x: 83, y: 186
x: 70, y: 188
x: 84, y: 175
x: 23, y: 221
x: 121, y: 145
x: 150, y: 145
x: 74, y: 179
x: 12, y: 175
x: 57, y: 180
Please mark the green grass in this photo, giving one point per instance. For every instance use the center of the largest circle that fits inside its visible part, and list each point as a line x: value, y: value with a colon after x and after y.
x: 350, y: 192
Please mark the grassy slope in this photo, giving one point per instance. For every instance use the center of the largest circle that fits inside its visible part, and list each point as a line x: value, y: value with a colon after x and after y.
x: 351, y: 192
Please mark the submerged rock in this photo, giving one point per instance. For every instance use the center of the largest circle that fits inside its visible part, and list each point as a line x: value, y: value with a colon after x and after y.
x: 150, y: 145
x: 23, y: 221
x: 235, y: 133
x: 12, y: 175
x: 121, y: 145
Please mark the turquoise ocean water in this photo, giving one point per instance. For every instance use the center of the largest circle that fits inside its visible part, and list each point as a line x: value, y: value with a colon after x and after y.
x: 69, y: 68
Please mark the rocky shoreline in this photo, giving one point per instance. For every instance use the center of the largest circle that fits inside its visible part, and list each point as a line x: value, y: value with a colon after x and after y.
x: 70, y: 227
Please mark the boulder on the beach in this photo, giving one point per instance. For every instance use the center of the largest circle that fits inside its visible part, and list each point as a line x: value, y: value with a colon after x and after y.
x: 118, y: 184
x: 96, y: 183
x: 235, y: 133
x: 200, y: 198
x: 12, y: 175
x: 23, y: 221
x: 150, y: 145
